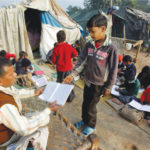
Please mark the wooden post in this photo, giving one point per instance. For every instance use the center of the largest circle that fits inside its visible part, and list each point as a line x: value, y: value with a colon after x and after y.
x: 94, y: 141
x: 111, y: 3
x: 124, y: 36
x: 139, y: 43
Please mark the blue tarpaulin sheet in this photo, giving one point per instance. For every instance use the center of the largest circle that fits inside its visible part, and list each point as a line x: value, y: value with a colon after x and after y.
x: 46, y: 18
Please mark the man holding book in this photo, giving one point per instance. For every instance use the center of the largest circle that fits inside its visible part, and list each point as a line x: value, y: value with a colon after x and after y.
x: 15, y: 127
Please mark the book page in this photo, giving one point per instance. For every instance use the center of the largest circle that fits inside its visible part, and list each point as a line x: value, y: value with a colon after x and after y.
x: 56, y: 92
x: 135, y: 104
x: 114, y: 91
x: 139, y: 106
x: 145, y: 108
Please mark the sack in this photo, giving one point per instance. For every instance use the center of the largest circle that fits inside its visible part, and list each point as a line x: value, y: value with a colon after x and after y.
x: 132, y: 114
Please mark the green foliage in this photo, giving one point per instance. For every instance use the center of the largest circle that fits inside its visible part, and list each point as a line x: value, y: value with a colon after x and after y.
x: 99, y: 4
x: 72, y: 9
x: 96, y: 4
x: 143, y: 5
x: 129, y: 3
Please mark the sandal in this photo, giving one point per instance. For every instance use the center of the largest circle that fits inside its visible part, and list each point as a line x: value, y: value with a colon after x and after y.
x: 79, y: 124
x: 88, y: 130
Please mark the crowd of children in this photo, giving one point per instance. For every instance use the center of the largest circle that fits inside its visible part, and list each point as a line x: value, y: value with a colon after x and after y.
x: 130, y: 83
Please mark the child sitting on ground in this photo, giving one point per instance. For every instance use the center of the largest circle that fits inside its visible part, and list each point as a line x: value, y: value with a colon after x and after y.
x: 9, y: 56
x: 49, y: 54
x: 131, y: 84
x: 145, y: 99
x: 77, y: 47
x: 22, y: 55
x: 144, y: 77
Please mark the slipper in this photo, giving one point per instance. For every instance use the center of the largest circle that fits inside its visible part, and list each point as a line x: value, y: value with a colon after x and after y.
x: 88, y: 130
x: 116, y: 101
x: 79, y: 124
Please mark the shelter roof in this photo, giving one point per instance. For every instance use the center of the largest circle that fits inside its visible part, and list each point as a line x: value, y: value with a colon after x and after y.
x: 121, y: 13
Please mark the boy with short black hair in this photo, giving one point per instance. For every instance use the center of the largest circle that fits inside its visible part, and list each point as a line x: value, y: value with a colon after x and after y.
x: 99, y: 60
x: 131, y: 84
x: 62, y: 55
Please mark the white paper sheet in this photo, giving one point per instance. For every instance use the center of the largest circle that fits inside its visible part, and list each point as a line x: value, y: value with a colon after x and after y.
x: 56, y: 92
x: 114, y: 91
x: 139, y: 106
x: 42, y: 81
x: 11, y: 147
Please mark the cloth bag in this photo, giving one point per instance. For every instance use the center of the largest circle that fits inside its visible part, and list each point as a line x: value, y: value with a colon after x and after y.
x: 132, y: 114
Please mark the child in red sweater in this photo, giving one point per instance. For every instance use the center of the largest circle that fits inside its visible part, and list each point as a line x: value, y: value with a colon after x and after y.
x: 62, y: 55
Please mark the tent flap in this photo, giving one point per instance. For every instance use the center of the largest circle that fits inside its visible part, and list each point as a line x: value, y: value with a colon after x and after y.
x: 46, y: 18
x: 13, y: 32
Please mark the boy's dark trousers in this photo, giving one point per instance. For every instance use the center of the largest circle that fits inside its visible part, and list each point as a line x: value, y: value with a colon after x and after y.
x: 91, y: 97
x: 60, y: 77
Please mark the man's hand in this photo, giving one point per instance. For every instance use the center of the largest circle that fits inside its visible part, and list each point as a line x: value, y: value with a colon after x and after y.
x: 54, y: 106
x: 106, y: 92
x: 68, y: 79
x: 38, y: 91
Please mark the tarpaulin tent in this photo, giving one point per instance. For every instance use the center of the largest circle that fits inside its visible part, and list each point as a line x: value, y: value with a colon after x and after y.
x: 40, y: 22
x: 137, y: 23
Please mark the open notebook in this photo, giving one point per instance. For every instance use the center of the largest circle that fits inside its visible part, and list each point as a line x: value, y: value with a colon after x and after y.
x: 139, y: 106
x: 56, y: 92
x: 114, y: 91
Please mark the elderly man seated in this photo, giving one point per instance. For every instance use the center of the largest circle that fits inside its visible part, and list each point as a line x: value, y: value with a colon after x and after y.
x: 15, y: 127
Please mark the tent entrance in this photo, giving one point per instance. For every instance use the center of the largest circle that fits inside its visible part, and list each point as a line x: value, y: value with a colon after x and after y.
x: 33, y: 25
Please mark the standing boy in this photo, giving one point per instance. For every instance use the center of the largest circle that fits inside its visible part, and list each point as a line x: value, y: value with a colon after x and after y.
x: 99, y: 61
x: 62, y: 55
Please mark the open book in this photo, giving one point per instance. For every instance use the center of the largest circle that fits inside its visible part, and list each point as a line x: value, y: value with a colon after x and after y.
x: 56, y: 92
x: 139, y: 106
x: 114, y: 91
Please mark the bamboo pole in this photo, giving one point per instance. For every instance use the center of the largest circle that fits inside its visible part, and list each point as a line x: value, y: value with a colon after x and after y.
x: 139, y: 43
x: 124, y: 36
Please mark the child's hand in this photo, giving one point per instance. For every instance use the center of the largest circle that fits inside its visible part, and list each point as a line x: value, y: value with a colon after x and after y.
x: 38, y: 91
x: 68, y: 79
x: 117, y: 89
x: 54, y: 106
x: 106, y: 92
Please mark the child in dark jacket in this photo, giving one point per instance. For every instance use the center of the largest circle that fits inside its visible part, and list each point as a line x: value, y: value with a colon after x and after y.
x: 62, y: 55
x: 19, y: 69
x: 99, y: 61
x: 131, y: 84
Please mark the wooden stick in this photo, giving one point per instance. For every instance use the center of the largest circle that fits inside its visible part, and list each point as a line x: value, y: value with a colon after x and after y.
x: 139, y: 49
